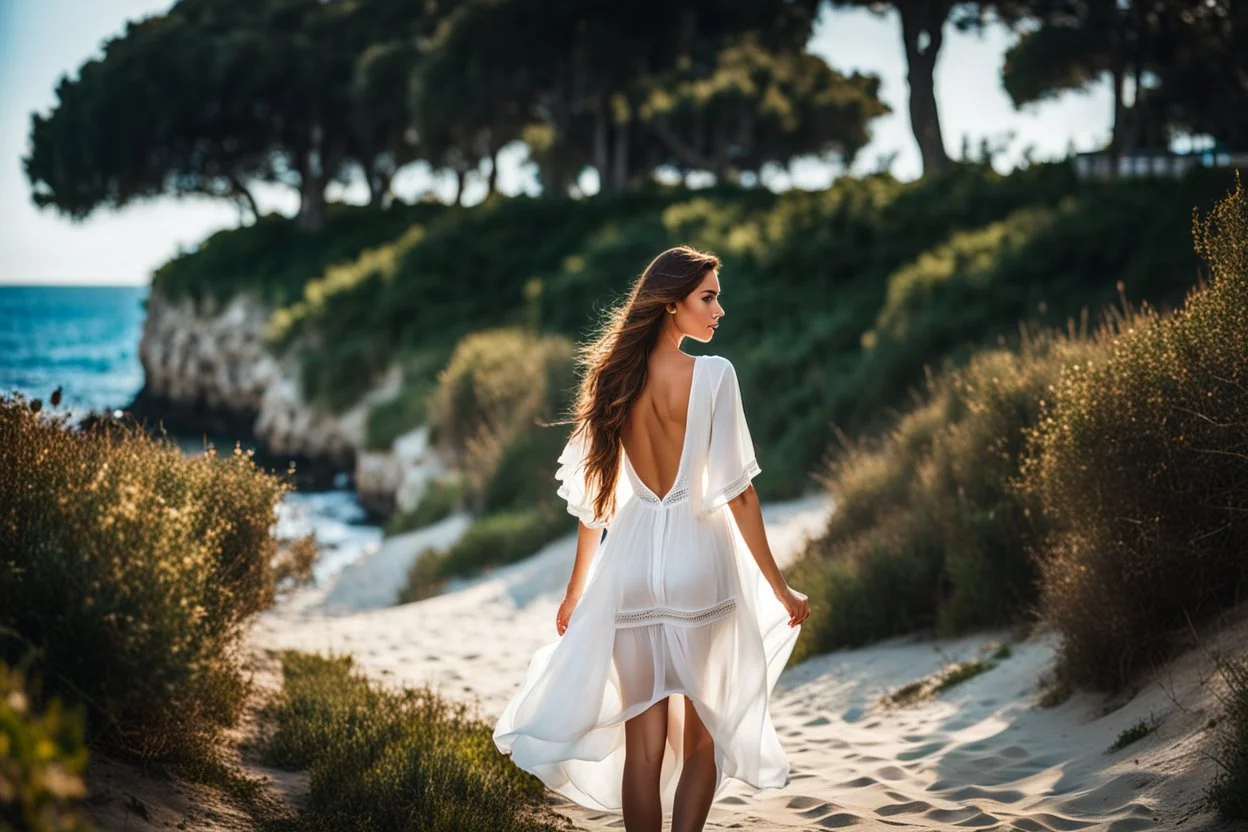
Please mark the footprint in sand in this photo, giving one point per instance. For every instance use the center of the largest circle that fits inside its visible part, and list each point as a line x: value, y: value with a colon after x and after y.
x: 909, y: 808
x: 922, y: 751
x: 858, y: 783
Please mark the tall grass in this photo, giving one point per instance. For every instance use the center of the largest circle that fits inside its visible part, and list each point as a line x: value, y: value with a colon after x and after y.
x: 394, y: 760
x: 1139, y: 465
x: 1229, y: 790
x: 132, y: 570
x: 926, y: 534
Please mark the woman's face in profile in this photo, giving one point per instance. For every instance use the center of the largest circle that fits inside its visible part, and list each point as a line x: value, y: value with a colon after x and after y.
x: 698, y: 313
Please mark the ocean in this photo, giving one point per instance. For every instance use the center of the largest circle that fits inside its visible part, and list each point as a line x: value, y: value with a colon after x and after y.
x: 85, y: 340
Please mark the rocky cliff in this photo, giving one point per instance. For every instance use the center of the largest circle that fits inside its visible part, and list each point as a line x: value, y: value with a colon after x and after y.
x: 207, y: 369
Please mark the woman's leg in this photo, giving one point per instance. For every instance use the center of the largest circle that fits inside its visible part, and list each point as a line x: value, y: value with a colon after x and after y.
x: 696, y: 787
x: 645, y: 736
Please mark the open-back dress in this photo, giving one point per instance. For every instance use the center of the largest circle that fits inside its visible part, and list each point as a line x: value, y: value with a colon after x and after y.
x: 673, y: 604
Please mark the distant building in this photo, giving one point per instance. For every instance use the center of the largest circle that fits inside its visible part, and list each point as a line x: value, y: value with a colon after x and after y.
x: 1140, y: 163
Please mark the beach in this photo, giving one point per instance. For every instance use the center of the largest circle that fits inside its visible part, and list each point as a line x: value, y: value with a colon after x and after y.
x: 980, y: 755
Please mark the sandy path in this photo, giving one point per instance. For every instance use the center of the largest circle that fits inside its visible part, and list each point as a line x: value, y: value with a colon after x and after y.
x: 979, y: 756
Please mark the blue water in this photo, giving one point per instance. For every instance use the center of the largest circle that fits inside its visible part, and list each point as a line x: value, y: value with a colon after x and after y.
x: 85, y: 339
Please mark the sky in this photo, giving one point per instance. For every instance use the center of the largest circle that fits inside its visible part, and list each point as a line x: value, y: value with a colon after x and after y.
x: 42, y: 40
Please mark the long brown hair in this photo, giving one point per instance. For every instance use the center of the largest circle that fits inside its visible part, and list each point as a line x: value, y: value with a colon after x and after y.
x: 613, y: 366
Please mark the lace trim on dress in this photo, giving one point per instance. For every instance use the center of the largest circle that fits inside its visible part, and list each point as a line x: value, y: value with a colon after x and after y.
x: 674, y: 496
x: 732, y: 489
x: 668, y: 615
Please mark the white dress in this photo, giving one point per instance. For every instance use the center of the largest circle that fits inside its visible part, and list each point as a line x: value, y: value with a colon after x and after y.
x: 673, y: 604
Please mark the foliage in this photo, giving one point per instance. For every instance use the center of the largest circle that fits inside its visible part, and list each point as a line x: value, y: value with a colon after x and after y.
x: 134, y: 571
x: 492, y: 399
x: 947, y: 677
x: 42, y: 760
x: 1229, y: 790
x: 1136, y: 465
x: 1189, y: 56
x: 1138, y: 731
x: 382, y: 759
x: 926, y: 533
x: 212, y: 97
x: 274, y: 261
x: 494, y: 540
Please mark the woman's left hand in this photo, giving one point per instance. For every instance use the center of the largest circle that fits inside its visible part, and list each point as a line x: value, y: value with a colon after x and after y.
x: 570, y: 601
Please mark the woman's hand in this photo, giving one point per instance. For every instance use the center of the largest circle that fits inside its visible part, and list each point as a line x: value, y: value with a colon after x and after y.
x: 570, y: 600
x: 795, y: 603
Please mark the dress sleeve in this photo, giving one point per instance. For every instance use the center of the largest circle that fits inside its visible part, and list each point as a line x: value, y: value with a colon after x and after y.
x: 730, y: 462
x: 572, y: 485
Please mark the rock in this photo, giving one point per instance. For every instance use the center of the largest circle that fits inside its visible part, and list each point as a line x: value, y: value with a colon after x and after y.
x: 208, y: 369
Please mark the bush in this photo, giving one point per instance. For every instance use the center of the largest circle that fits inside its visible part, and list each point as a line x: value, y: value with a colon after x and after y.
x: 390, y: 760
x: 134, y: 570
x: 927, y: 531
x: 1229, y: 790
x: 494, y: 540
x: 492, y: 399
x: 42, y: 759
x: 273, y: 258
x: 1137, y: 463
x: 917, y: 271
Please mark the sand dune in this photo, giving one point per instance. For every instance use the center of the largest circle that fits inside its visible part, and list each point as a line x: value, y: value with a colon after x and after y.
x: 981, y: 755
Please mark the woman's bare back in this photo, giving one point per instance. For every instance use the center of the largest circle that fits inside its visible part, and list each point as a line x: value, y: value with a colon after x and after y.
x: 654, y: 434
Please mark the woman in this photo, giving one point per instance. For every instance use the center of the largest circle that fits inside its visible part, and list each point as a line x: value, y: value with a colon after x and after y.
x: 668, y: 605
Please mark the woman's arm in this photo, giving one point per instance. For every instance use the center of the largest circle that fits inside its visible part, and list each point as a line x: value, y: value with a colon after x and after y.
x: 749, y: 516
x: 587, y: 541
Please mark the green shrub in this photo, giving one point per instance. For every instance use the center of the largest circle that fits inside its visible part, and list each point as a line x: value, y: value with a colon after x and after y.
x: 1137, y: 463
x: 274, y: 258
x: 472, y: 269
x: 964, y: 255
x: 498, y: 389
x: 494, y: 540
x: 42, y: 760
x: 928, y: 532
x: 1229, y: 790
x: 134, y: 570
x: 382, y: 759
x: 1136, y: 732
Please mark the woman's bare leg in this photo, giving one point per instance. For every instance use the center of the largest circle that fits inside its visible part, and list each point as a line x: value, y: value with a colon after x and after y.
x: 645, y: 736
x: 696, y: 787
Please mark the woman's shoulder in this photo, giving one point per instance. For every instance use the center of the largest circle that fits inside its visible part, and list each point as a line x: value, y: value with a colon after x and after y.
x: 718, y: 368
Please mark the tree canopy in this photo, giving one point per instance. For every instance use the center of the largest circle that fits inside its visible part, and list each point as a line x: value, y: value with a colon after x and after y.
x: 217, y: 95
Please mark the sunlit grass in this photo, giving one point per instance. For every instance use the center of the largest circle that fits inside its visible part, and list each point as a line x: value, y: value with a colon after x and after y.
x: 386, y: 759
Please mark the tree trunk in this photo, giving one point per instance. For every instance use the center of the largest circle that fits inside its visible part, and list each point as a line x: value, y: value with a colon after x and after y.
x: 459, y: 187
x: 922, y: 25
x: 244, y: 194
x: 1117, y: 79
x: 312, y: 182
x: 492, y: 182
x: 312, y: 204
x: 602, y: 144
x: 619, y: 167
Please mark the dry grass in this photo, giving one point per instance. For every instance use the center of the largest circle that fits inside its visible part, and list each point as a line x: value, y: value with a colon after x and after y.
x: 1138, y: 464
